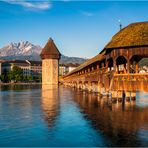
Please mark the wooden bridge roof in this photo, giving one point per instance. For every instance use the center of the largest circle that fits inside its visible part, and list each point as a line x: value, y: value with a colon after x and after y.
x: 98, y: 57
x: 134, y: 35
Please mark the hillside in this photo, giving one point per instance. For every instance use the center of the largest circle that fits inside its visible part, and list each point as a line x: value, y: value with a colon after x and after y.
x: 27, y: 51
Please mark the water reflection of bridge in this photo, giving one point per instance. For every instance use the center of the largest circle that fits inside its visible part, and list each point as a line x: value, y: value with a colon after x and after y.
x: 121, y: 125
x: 117, y: 65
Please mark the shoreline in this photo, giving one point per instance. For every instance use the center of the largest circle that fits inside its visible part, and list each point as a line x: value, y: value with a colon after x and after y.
x: 34, y: 83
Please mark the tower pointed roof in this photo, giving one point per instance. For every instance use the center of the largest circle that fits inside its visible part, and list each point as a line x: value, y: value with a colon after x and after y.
x: 50, y: 51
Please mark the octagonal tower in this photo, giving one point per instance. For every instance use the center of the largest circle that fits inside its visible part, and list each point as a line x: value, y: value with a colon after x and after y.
x: 50, y: 63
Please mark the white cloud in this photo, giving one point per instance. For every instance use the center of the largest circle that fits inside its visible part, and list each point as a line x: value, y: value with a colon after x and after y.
x: 31, y: 4
x: 87, y: 13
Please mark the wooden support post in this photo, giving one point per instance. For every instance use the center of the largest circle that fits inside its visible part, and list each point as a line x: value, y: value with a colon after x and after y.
x: 107, y: 63
x: 84, y: 87
x: 114, y: 65
x: 127, y: 96
x: 98, y: 66
x: 133, y: 95
x: 89, y: 87
x: 137, y: 66
x: 128, y: 66
x: 99, y: 87
x: 125, y: 71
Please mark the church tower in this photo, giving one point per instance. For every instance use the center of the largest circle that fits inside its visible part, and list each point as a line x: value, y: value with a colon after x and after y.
x: 50, y: 63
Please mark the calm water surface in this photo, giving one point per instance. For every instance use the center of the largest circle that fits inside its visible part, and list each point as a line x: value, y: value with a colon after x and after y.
x: 32, y: 115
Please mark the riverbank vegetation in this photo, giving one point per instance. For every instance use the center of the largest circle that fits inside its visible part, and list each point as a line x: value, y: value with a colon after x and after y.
x: 16, y: 75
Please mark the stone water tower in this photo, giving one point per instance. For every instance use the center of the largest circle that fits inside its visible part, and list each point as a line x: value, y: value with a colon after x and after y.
x: 50, y: 63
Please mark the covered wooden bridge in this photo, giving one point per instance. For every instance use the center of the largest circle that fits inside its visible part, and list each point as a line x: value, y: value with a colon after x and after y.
x: 116, y: 67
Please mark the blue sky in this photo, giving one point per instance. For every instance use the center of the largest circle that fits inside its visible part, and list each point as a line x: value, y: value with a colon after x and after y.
x: 79, y: 28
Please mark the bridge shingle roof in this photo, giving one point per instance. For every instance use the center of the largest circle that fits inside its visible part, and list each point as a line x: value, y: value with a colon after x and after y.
x: 96, y: 58
x: 135, y: 34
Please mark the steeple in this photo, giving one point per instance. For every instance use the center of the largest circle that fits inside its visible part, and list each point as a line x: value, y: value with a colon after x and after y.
x: 50, y: 51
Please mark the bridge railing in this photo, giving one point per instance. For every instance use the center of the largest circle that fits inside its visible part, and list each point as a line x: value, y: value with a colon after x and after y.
x: 92, y: 72
x: 131, y: 77
x: 130, y: 82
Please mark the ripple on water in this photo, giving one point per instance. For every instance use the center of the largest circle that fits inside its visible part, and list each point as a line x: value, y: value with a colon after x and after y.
x: 31, y: 116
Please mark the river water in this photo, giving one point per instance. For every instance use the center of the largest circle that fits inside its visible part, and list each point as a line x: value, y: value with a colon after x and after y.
x: 32, y: 115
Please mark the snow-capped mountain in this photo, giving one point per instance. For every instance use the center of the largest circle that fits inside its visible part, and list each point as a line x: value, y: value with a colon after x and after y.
x: 23, y: 48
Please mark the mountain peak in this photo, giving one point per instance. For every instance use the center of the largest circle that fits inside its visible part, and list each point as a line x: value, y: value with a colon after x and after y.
x: 22, y: 48
x: 25, y: 50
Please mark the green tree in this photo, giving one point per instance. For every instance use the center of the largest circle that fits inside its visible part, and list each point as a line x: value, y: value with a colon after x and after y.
x: 16, y: 74
x: 17, y: 70
x: 40, y: 78
x: 25, y: 78
x: 0, y: 77
x: 4, y: 76
x: 29, y: 78
x: 11, y: 76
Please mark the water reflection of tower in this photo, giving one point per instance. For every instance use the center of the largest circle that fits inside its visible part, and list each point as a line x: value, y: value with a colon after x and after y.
x: 50, y: 103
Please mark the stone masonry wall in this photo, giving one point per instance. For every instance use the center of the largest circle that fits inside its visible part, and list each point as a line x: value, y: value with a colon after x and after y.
x: 50, y: 71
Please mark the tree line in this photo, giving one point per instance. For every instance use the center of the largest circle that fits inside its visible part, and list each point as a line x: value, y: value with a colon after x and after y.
x: 16, y: 75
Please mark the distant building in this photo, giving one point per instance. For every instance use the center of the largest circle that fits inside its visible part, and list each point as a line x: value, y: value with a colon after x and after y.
x: 71, y: 66
x: 33, y: 68
x: 66, y: 68
x: 63, y: 70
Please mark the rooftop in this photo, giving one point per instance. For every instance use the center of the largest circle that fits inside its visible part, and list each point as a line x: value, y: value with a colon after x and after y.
x: 135, y: 34
x: 98, y: 57
x: 50, y: 51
